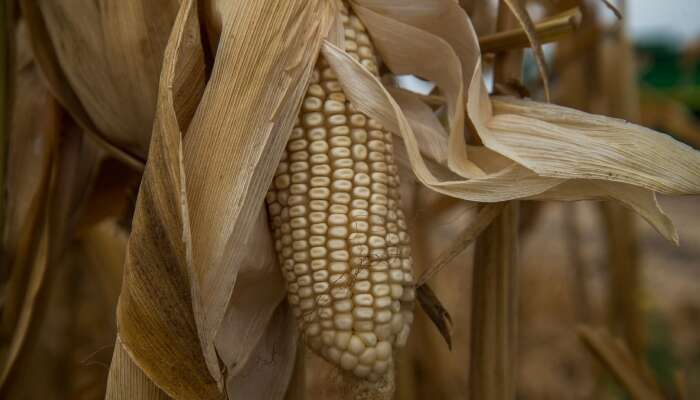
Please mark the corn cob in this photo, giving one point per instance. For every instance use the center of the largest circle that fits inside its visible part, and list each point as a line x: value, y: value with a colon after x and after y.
x: 339, y: 232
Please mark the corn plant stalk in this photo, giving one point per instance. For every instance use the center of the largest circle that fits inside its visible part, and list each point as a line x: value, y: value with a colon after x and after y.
x: 549, y: 30
x: 4, y: 61
x: 494, y: 282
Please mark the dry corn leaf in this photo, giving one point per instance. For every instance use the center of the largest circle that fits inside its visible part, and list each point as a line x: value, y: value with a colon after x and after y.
x: 109, y: 55
x: 155, y: 315
x: 258, y: 292
x: 236, y: 139
x: 398, y: 30
x: 267, y: 372
x: 437, y: 312
x: 126, y: 381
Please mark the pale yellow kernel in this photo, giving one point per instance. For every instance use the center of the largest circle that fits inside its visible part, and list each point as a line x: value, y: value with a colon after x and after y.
x: 300, y: 245
x: 318, y: 147
x: 359, y: 212
x: 356, y: 346
x: 360, y: 226
x: 377, y: 242
x: 320, y: 275
x: 338, y: 219
x: 282, y: 182
x: 381, y: 290
x: 318, y: 133
x: 362, y: 192
x: 341, y: 292
x: 316, y: 90
x: 339, y: 209
x: 338, y: 267
x: 321, y: 287
x: 317, y: 217
x: 343, y: 321
x: 296, y: 199
x: 312, y: 119
x: 318, y: 252
x: 319, y: 159
x: 297, y: 211
x: 383, y: 316
x: 362, y: 286
x: 339, y: 153
x: 338, y: 231
x: 382, y: 302
x: 320, y: 264
x: 342, y: 339
x: 298, y: 223
x: 341, y: 198
x: 357, y: 238
x: 348, y: 361
x: 313, y: 329
x: 363, y: 313
x: 306, y: 303
x: 380, y: 367
x: 364, y: 299
x: 376, y: 156
x: 336, y: 244
x: 312, y: 103
x: 341, y: 130
x: 320, y: 181
x: 343, y: 162
x: 337, y: 119
x: 341, y: 281
x: 298, y: 188
x: 318, y: 229
x: 379, y: 167
x: 297, y: 133
x: 396, y: 291
x: 343, y: 305
x: 397, y: 323
x: 360, y: 251
x: 340, y: 141
x: 363, y: 326
x: 340, y: 255
x: 319, y: 193
x: 333, y: 354
x: 304, y: 280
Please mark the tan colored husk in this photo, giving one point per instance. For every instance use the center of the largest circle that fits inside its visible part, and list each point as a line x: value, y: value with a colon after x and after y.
x: 103, y: 61
x: 189, y: 242
x: 406, y: 38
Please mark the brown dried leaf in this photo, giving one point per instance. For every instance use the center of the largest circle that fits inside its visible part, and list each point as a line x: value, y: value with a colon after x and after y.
x: 81, y: 43
x: 155, y: 315
x: 236, y: 140
x: 437, y: 312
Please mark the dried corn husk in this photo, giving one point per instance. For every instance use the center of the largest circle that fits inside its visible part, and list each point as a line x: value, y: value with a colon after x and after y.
x: 102, y: 60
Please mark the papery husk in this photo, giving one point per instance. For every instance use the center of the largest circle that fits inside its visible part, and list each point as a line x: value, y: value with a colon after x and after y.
x: 198, y: 220
x: 155, y: 317
x: 408, y: 35
x: 234, y: 144
x: 267, y: 372
x: 103, y: 61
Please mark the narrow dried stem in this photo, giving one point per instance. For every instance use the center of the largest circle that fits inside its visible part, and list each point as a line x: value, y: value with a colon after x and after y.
x: 572, y: 239
x: 494, y: 283
x: 625, y: 313
x: 549, y: 30
x: 633, y: 375
x: 4, y: 64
